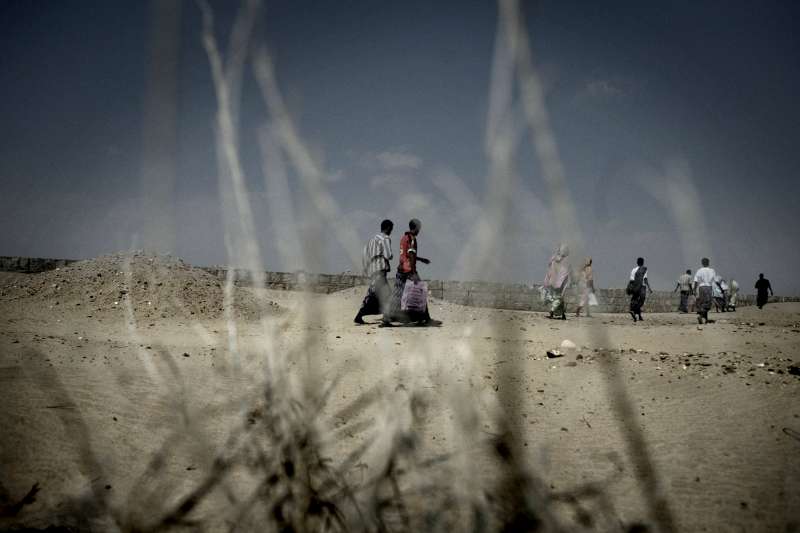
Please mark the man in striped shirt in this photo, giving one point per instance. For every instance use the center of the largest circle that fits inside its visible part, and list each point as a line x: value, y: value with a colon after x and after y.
x: 377, y: 254
x: 685, y: 286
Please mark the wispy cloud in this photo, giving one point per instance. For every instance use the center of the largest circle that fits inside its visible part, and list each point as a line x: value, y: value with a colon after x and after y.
x: 394, y: 170
x: 599, y: 90
x: 415, y: 202
x: 603, y: 88
x: 335, y: 177
x: 391, y: 160
x: 396, y: 182
x: 399, y: 160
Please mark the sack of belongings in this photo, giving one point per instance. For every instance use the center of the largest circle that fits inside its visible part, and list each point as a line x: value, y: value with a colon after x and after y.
x: 415, y: 296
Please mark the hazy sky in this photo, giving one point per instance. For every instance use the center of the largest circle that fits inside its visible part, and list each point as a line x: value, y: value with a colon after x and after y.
x: 647, y: 102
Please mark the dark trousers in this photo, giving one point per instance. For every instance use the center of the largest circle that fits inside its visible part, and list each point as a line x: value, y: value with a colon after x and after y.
x: 379, y: 297
x: 684, y: 306
x: 703, y: 302
x: 637, y: 301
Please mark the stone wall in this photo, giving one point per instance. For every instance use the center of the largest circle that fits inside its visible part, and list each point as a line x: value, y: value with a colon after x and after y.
x: 525, y: 298
x: 515, y: 296
x: 31, y: 264
x: 295, y: 281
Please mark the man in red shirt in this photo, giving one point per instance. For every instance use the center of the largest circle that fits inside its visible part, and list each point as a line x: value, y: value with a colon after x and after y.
x: 407, y: 269
x: 408, y: 251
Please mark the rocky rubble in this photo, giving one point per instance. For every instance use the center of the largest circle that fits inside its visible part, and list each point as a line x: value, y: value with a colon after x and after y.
x: 156, y: 286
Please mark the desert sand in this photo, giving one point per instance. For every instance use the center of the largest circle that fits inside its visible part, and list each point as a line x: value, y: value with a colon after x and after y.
x: 100, y: 373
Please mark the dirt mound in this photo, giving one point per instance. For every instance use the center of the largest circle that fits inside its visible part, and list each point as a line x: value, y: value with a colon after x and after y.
x: 156, y: 286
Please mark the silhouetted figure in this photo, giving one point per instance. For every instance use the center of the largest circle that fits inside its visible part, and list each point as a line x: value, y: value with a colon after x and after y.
x: 762, y: 287
x: 376, y: 257
x: 703, y: 288
x: 685, y: 286
x: 638, y: 286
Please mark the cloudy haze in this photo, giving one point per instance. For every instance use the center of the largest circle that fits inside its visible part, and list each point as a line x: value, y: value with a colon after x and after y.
x: 676, y: 127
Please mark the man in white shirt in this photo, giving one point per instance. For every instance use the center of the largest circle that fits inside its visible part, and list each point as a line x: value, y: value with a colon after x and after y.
x: 637, y: 288
x: 703, y: 288
x: 376, y: 258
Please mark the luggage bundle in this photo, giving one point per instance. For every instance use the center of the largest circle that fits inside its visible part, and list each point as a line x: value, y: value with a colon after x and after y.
x: 415, y: 296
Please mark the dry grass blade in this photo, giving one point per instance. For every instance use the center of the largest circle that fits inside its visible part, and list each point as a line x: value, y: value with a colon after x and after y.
x: 546, y: 149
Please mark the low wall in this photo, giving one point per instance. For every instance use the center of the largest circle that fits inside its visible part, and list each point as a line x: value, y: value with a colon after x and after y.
x: 295, y: 281
x: 516, y: 296
x: 31, y: 264
x: 526, y: 298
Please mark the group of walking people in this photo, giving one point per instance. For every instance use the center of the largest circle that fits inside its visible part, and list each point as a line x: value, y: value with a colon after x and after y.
x: 724, y: 295
x: 559, y: 277
x: 711, y: 289
x: 708, y: 288
x: 382, y: 298
x: 706, y: 281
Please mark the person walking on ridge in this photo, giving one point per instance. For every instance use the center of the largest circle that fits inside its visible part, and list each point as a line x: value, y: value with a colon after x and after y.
x: 556, y: 281
x: 407, y: 270
x: 638, y: 287
x: 375, y: 260
x: 733, y: 295
x: 703, y: 288
x: 685, y: 286
x: 587, y: 289
x: 719, y: 291
x: 763, y: 286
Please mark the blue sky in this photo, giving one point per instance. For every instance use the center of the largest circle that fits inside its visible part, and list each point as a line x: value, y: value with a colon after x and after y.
x: 647, y: 103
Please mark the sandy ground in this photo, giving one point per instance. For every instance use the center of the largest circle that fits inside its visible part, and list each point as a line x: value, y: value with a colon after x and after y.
x: 87, y: 400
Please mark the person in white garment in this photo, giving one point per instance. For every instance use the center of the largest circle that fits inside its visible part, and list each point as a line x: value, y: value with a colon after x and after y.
x: 733, y: 295
x: 703, y: 288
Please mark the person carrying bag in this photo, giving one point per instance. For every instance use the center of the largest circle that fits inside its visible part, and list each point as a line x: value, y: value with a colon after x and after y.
x: 410, y: 300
